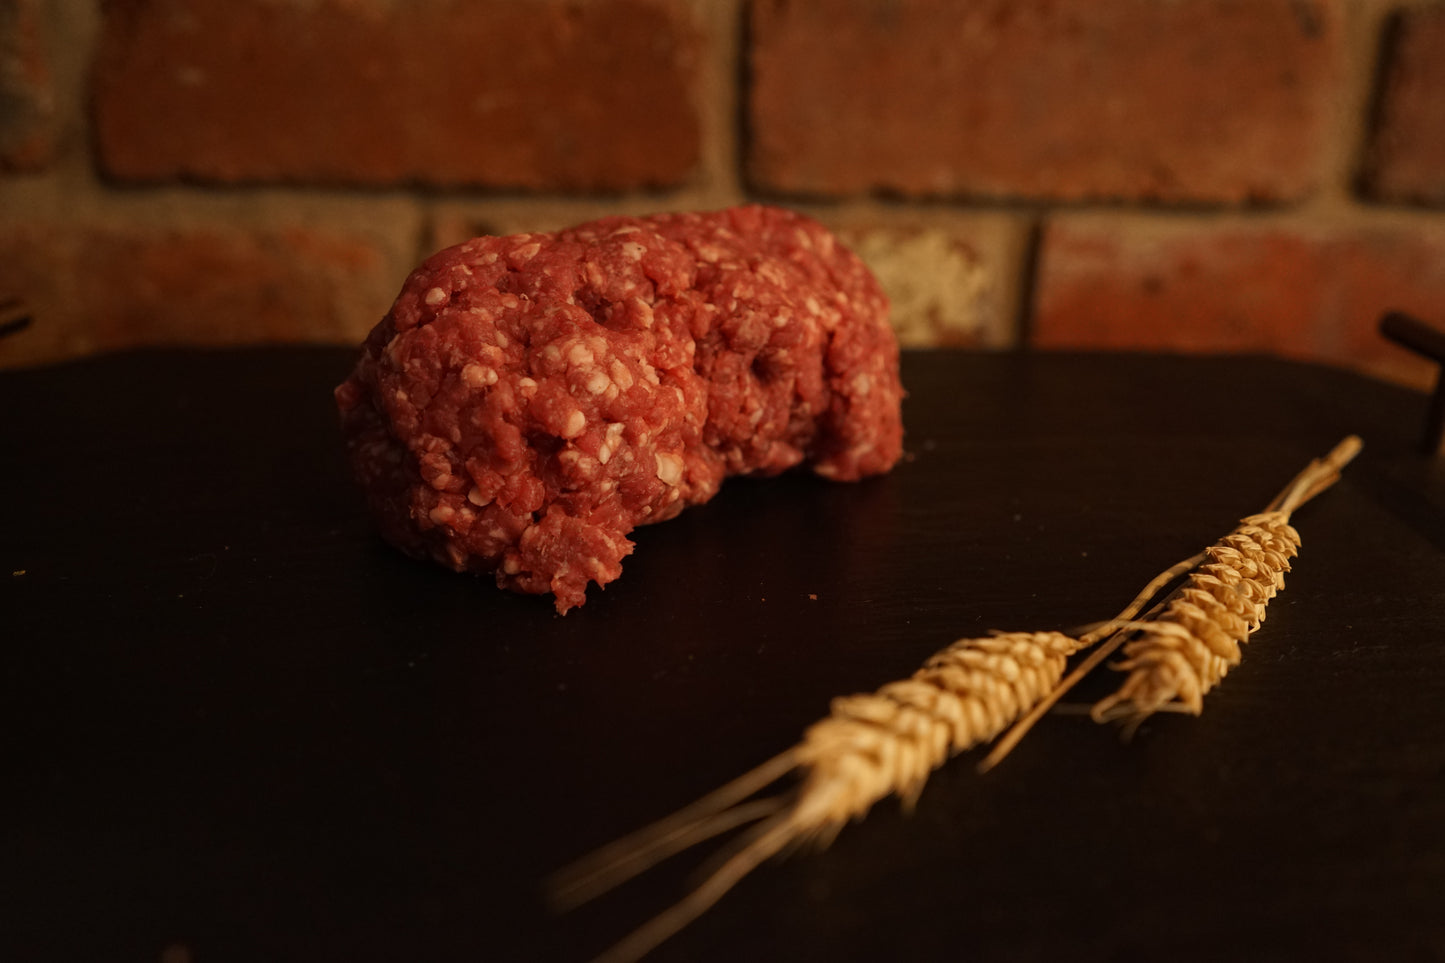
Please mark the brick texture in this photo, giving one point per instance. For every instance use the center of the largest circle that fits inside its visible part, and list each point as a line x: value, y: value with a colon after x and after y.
x: 97, y: 286
x: 1281, y: 286
x: 27, y: 99
x: 540, y: 94
x: 1213, y: 101
x: 1407, y: 155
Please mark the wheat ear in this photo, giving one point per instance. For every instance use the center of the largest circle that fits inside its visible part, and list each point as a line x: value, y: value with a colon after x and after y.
x: 888, y: 742
x: 870, y: 746
x: 1192, y: 639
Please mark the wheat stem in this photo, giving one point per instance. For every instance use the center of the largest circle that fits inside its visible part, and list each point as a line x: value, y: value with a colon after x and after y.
x: 1010, y: 739
x: 869, y: 746
x: 773, y: 836
x: 888, y: 742
x: 624, y: 858
x: 1176, y: 657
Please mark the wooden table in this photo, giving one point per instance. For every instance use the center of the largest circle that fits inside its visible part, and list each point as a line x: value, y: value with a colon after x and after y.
x: 238, y: 724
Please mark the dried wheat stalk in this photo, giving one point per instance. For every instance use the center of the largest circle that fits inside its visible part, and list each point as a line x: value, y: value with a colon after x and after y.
x: 1183, y: 651
x: 1186, y: 649
x: 870, y: 746
x: 1192, y: 638
x: 888, y: 742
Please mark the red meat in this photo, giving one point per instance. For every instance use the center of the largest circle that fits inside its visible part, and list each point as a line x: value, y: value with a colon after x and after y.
x: 531, y: 399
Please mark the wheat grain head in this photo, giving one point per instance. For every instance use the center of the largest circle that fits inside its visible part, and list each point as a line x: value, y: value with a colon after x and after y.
x: 1185, y: 650
x: 869, y: 746
x: 889, y: 741
x: 1194, y: 637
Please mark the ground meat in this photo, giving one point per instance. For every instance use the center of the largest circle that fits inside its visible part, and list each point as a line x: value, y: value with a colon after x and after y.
x: 531, y: 399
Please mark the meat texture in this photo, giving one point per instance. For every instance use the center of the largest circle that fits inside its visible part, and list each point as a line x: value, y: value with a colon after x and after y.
x: 531, y: 399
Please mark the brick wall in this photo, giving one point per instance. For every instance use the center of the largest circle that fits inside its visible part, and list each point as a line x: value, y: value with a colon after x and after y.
x: 1197, y: 175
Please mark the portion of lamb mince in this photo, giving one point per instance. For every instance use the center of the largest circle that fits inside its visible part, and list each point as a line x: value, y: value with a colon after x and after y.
x: 531, y: 399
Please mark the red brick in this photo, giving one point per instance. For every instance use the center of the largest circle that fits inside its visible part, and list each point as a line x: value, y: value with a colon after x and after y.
x: 1276, y: 285
x: 1216, y: 101
x: 98, y: 286
x: 1407, y: 154
x: 27, y: 99
x: 502, y: 93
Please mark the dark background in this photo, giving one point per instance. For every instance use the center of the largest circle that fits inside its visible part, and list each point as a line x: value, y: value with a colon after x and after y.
x: 237, y: 725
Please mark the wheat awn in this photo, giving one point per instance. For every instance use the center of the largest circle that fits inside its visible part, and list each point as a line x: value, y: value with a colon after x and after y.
x: 889, y: 741
x: 1177, y: 656
x: 869, y: 746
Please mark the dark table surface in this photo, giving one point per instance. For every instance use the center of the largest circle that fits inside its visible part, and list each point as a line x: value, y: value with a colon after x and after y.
x: 238, y: 726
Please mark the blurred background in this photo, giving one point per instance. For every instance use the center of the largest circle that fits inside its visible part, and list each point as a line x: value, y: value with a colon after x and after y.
x: 1180, y: 175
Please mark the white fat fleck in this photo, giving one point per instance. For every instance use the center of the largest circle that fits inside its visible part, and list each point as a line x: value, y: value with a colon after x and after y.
x: 669, y: 467
x: 633, y: 250
x: 644, y: 312
x: 477, y: 376
x: 501, y: 340
x: 441, y: 514
x: 526, y: 252
x: 770, y: 271
x: 579, y: 354
x: 597, y: 382
x: 575, y: 423
x: 476, y: 497
x: 526, y: 385
x: 435, y: 296
x: 862, y: 384
x: 604, y: 453
x: 620, y: 374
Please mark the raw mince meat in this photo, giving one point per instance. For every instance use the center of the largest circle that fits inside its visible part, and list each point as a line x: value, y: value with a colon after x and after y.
x: 531, y: 399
